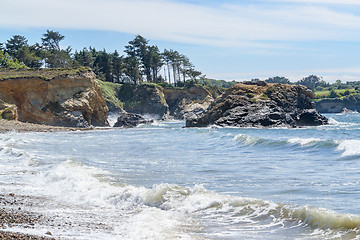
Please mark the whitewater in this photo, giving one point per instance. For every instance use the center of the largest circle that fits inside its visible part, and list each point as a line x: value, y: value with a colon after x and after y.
x: 164, y: 181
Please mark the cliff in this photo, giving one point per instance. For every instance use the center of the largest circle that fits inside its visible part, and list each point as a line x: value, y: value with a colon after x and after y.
x: 143, y: 99
x: 161, y: 103
x: 257, y: 104
x: 58, y: 97
x: 337, y: 105
x: 190, y: 102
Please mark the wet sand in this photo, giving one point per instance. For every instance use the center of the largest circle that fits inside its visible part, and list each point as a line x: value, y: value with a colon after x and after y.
x: 6, y: 126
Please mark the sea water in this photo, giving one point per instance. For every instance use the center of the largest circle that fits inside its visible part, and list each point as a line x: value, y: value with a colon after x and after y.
x: 164, y: 181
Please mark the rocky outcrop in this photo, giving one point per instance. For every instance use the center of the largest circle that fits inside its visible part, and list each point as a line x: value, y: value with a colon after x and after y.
x: 8, y: 111
x: 128, y: 120
x: 72, y: 98
x: 262, y: 105
x: 189, y: 103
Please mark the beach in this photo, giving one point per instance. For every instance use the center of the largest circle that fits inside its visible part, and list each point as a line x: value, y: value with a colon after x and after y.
x: 6, y: 126
x: 12, y: 215
x: 164, y: 181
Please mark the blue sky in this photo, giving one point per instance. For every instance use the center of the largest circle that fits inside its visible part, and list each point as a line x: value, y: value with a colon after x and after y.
x: 225, y: 39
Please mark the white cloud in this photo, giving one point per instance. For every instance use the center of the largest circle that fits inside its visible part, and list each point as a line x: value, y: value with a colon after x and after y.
x: 328, y: 74
x: 340, y: 2
x: 228, y: 25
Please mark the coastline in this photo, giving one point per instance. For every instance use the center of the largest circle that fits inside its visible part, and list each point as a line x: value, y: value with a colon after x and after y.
x: 12, y: 215
x: 12, y: 125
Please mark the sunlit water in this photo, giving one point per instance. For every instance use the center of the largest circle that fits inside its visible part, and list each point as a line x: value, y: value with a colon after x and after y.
x: 163, y: 181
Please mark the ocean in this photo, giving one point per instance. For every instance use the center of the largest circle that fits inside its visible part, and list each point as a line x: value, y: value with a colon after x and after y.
x: 164, y: 181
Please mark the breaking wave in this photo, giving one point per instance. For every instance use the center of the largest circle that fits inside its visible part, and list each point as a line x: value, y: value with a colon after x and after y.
x: 166, y: 210
x: 349, y: 147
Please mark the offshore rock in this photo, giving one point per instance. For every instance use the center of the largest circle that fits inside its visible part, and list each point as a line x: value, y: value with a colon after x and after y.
x: 73, y: 99
x: 262, y: 105
x: 128, y: 120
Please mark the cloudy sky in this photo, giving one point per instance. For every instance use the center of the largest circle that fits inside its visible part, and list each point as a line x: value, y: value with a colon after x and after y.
x: 225, y: 39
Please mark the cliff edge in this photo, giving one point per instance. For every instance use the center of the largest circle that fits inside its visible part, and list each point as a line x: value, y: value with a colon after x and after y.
x: 258, y: 104
x: 58, y: 97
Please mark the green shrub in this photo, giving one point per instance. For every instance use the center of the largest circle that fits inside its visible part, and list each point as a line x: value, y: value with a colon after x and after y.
x: 333, y: 94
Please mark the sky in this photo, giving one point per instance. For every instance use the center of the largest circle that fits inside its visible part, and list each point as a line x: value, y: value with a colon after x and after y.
x: 224, y: 39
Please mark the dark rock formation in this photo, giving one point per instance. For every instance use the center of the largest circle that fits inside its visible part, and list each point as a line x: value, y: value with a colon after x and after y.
x: 70, y: 100
x: 130, y: 120
x: 262, y: 105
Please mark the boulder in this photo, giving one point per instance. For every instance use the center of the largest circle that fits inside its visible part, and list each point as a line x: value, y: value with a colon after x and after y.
x: 8, y: 111
x: 262, y: 105
x: 128, y: 120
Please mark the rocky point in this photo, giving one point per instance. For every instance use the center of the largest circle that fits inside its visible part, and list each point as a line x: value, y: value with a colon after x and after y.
x: 258, y: 104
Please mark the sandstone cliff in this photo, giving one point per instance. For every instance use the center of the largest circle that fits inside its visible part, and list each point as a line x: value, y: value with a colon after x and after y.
x: 66, y: 97
x: 262, y: 105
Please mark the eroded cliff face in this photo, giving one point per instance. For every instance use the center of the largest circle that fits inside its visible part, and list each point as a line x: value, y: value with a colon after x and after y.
x: 338, y: 105
x: 262, y: 105
x: 144, y: 99
x: 73, y: 100
x: 189, y: 103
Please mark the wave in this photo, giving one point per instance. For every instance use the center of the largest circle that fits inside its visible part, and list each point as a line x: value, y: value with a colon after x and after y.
x: 303, y: 142
x: 332, y: 121
x: 168, y: 210
x: 349, y: 147
x: 312, y: 142
x: 248, y: 140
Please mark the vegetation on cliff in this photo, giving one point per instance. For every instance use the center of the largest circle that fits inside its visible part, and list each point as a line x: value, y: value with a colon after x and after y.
x: 110, y: 92
x: 141, y: 63
x: 41, y: 73
x: 159, y: 99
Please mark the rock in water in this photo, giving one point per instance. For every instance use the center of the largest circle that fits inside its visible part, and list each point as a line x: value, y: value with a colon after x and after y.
x: 262, y: 105
x: 130, y: 120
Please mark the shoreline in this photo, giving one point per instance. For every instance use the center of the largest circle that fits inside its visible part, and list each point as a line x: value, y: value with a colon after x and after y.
x: 13, y: 125
x: 12, y: 215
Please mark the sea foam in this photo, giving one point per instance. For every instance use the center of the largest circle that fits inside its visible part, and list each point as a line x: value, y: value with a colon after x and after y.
x: 349, y: 147
x: 304, y: 141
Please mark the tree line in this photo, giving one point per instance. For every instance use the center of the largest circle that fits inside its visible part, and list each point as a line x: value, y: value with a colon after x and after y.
x: 141, y: 62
